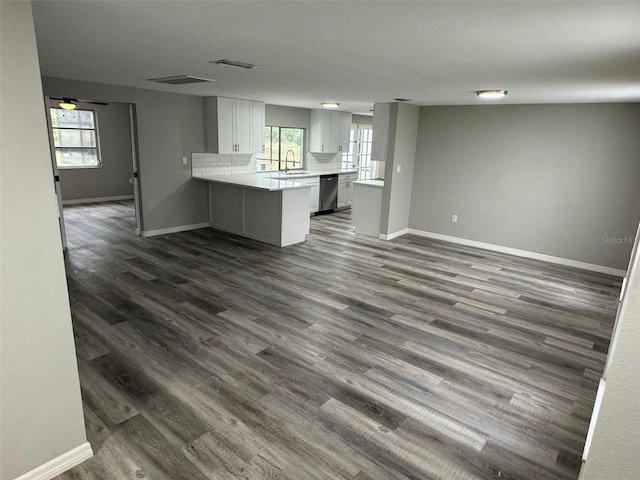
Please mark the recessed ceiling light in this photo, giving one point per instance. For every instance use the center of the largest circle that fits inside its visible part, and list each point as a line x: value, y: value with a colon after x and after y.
x: 234, y: 63
x: 180, y: 80
x: 491, y: 94
x: 330, y: 105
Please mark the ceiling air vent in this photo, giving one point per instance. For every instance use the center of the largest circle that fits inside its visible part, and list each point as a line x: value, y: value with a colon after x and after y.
x: 234, y: 63
x: 180, y: 80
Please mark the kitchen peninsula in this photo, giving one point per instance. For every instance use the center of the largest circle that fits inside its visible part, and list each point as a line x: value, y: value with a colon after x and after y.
x: 274, y: 211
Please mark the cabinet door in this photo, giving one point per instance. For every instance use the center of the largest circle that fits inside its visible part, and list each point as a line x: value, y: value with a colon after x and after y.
x: 342, y: 193
x: 345, y: 132
x: 320, y: 131
x: 225, y: 125
x: 243, y: 124
x: 335, y: 133
x: 314, y: 205
x: 257, y: 127
x: 348, y: 186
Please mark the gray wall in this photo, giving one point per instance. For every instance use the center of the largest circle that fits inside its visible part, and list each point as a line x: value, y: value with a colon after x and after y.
x: 401, y: 151
x: 112, y: 179
x: 41, y: 414
x: 170, y: 126
x: 551, y: 179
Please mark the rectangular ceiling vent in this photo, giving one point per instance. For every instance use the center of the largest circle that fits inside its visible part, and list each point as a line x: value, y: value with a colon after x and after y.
x: 180, y: 80
x: 234, y: 63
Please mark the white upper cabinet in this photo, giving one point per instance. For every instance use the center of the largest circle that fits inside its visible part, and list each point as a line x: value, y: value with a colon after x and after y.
x: 243, y: 125
x: 329, y: 131
x: 234, y: 125
x: 220, y: 127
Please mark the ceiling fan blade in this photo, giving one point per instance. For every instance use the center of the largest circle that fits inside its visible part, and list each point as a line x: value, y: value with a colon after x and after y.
x: 78, y: 100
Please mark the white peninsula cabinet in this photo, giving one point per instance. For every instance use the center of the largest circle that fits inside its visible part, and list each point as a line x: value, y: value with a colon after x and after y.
x: 269, y: 210
x: 234, y: 125
x: 330, y: 131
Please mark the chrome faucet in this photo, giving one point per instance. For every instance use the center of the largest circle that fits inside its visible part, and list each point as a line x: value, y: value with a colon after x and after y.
x: 286, y: 160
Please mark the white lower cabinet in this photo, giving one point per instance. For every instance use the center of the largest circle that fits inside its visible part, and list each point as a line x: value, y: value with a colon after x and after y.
x: 345, y: 189
x: 314, y: 199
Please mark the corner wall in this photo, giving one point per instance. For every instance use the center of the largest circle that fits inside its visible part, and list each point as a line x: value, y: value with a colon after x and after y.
x: 401, y: 148
x: 41, y: 415
x: 559, y: 180
x: 614, y: 447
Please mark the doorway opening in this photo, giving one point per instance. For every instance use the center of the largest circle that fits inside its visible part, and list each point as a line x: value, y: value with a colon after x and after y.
x: 94, y: 158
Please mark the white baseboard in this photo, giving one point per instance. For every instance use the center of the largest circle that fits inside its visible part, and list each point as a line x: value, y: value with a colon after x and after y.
x: 393, y: 235
x: 179, y: 228
x: 97, y: 199
x: 59, y: 464
x: 521, y: 253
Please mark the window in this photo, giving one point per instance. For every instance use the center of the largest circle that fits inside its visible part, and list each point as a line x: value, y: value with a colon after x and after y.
x: 75, y: 138
x: 283, y: 149
x: 359, y: 154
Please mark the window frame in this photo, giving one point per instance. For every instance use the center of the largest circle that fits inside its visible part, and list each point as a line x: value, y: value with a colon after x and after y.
x: 95, y: 129
x: 282, y: 167
x: 355, y: 154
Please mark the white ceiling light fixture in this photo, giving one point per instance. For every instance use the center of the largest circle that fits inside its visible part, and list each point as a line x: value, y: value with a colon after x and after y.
x: 330, y: 105
x: 67, y: 104
x: 491, y: 94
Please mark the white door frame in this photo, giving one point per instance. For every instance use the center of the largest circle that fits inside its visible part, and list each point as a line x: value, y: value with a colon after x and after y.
x: 133, y: 123
x: 56, y: 176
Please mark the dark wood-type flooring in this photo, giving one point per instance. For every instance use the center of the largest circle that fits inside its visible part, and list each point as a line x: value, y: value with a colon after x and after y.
x: 208, y: 356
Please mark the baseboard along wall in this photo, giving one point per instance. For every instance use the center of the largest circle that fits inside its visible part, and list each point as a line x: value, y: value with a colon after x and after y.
x: 510, y: 251
x: 116, y: 198
x: 179, y: 228
x: 59, y: 464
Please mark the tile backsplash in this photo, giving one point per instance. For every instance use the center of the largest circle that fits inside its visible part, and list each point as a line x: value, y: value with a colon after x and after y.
x: 215, y: 164
x: 322, y: 162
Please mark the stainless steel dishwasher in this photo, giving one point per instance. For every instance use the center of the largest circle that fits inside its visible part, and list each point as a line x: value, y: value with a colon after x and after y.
x: 328, y: 193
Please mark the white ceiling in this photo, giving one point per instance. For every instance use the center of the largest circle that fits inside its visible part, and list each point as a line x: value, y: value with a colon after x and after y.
x: 352, y: 52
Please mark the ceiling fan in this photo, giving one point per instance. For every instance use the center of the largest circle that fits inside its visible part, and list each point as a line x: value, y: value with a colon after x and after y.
x: 67, y: 103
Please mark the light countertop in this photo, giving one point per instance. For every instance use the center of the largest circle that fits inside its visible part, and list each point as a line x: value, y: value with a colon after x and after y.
x: 260, y: 182
x: 370, y: 183
x: 306, y: 174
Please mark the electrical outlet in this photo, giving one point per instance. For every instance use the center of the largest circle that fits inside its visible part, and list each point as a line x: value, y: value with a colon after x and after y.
x: 184, y: 160
x: 454, y: 218
x: 130, y: 180
x: 398, y: 168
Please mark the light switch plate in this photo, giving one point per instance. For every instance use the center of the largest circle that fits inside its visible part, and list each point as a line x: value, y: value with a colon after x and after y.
x: 184, y: 160
x: 398, y: 168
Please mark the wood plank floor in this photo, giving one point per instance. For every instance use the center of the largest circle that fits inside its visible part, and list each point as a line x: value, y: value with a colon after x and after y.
x: 208, y: 356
